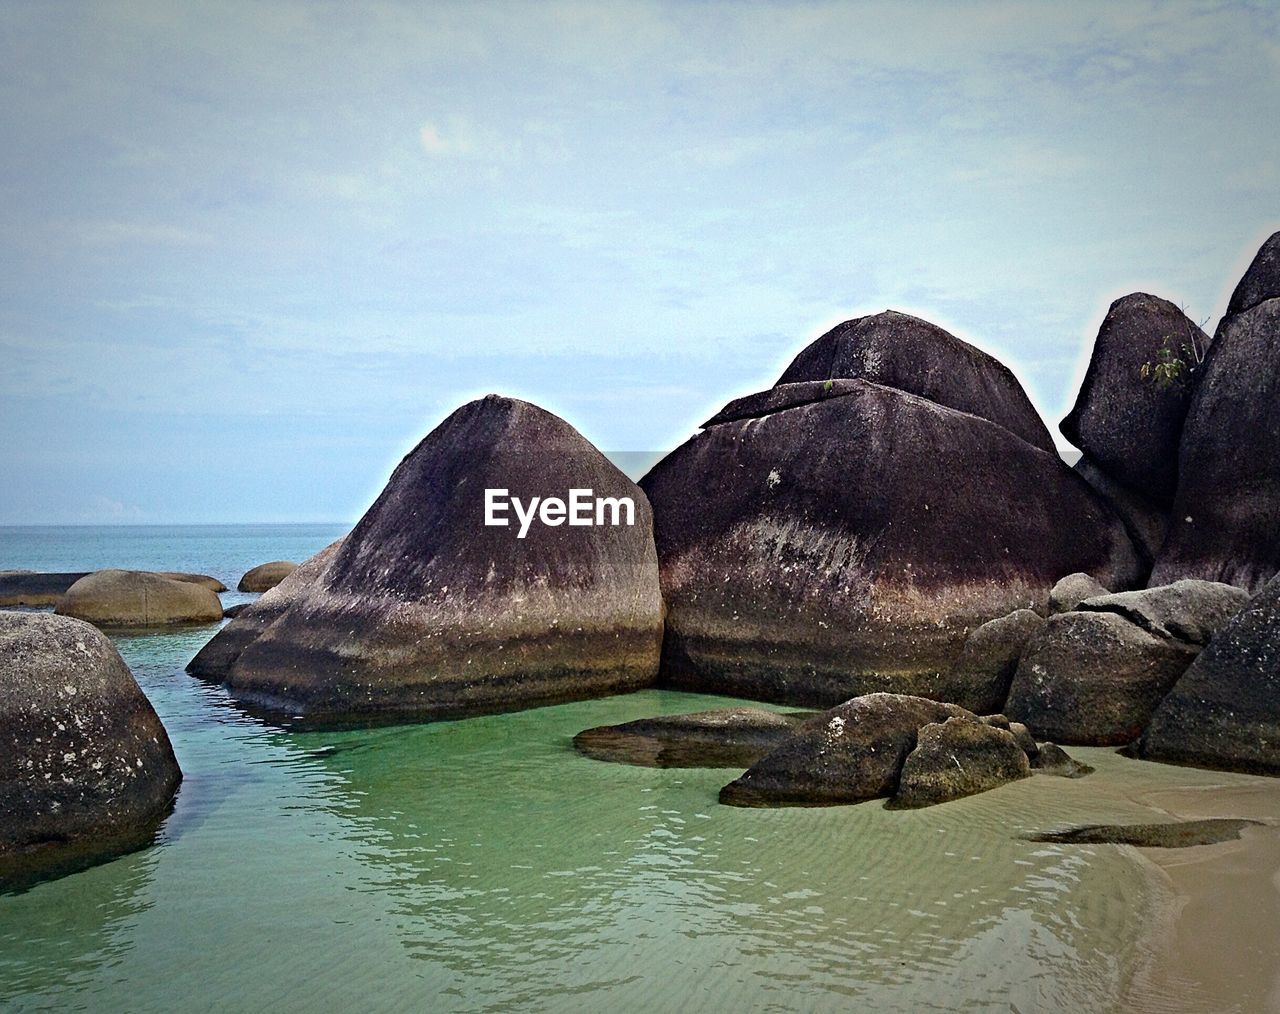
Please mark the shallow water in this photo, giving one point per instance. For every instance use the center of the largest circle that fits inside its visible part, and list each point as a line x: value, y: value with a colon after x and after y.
x: 484, y: 865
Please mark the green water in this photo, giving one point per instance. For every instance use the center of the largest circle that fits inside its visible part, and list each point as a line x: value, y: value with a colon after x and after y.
x: 483, y: 865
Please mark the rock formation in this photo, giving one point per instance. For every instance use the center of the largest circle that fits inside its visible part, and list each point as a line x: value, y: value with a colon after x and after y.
x: 265, y: 576
x: 985, y: 668
x: 956, y: 758
x: 133, y: 598
x: 425, y: 611
x: 86, y: 770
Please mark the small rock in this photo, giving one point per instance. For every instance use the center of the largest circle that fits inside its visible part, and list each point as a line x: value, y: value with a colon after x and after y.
x: 266, y: 576
x: 1071, y: 591
x: 726, y: 738
x: 1051, y: 759
x: 956, y: 758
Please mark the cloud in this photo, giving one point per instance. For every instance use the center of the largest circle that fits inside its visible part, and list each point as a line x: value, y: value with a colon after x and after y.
x: 453, y: 143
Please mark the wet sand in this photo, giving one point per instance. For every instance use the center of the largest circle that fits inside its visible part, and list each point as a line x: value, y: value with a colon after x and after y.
x: 1218, y: 946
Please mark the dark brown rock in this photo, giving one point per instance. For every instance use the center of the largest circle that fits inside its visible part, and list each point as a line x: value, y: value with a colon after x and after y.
x: 266, y: 576
x: 1191, y: 611
x: 725, y: 738
x: 1128, y: 424
x: 904, y: 352
x: 1225, y: 710
x: 1261, y: 281
x: 1073, y: 589
x: 1172, y: 835
x: 426, y: 612
x: 1051, y: 759
x: 848, y: 754
x: 756, y: 406
x: 134, y: 598
x: 1094, y: 679
x: 1146, y: 521
x: 986, y: 665
x: 849, y: 545
x: 86, y: 770
x: 956, y: 758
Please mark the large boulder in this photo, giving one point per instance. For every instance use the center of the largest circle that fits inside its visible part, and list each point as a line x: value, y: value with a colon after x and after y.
x: 134, y: 598
x: 426, y: 611
x: 1226, y: 515
x: 1191, y: 611
x: 1127, y: 423
x: 265, y: 576
x: 956, y: 758
x: 989, y: 659
x: 29, y: 588
x: 1094, y: 678
x: 1225, y: 710
x: 848, y: 754
x: 86, y: 770
x: 848, y: 545
x: 724, y: 738
x: 1146, y: 521
x: 904, y: 352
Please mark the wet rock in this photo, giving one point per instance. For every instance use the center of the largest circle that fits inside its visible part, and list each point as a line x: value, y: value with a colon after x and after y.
x: 1226, y: 515
x: 909, y: 354
x: 1173, y: 835
x: 725, y: 738
x: 956, y: 758
x: 266, y: 576
x: 848, y: 546
x: 1071, y: 591
x: 28, y: 588
x: 86, y: 770
x: 989, y: 659
x: 848, y: 754
x: 1051, y: 759
x: 427, y: 612
x: 1225, y: 710
x: 1191, y: 611
x: 1094, y: 679
x: 1146, y: 521
x: 132, y: 598
x: 1128, y: 424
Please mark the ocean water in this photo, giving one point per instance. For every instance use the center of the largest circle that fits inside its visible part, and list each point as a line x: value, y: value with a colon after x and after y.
x: 483, y: 865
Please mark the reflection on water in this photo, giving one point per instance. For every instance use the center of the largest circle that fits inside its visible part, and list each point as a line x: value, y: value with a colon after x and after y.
x: 484, y: 864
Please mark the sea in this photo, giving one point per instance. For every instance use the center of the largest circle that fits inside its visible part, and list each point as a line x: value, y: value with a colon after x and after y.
x: 483, y: 865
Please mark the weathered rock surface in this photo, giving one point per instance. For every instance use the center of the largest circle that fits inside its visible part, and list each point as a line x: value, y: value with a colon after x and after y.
x: 212, y: 583
x: 990, y: 658
x: 845, y: 755
x: 1146, y: 521
x: 1225, y: 710
x: 132, y: 598
x: 956, y: 758
x: 86, y: 769
x: 1051, y: 759
x: 849, y: 545
x: 724, y: 738
x: 266, y: 576
x: 1127, y: 424
x: 756, y: 406
x: 1226, y: 515
x: 1191, y: 611
x: 909, y: 354
x: 1071, y: 591
x: 426, y: 612
x: 214, y: 660
x: 28, y: 588
x: 1094, y: 678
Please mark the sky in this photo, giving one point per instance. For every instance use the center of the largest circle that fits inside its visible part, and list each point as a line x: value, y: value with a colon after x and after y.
x: 251, y: 253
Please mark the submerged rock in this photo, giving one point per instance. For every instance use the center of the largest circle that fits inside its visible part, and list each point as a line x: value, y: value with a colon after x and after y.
x: 427, y: 612
x: 1225, y: 710
x: 86, y: 769
x: 132, y: 598
x: 848, y: 545
x: 1173, y: 835
x: 990, y: 658
x: 725, y: 738
x: 956, y: 758
x: 1226, y: 515
x: 848, y: 754
x: 1094, y: 678
x: 1051, y: 759
x: 266, y: 576
x: 912, y: 355
x: 1071, y: 591
x: 28, y: 588
x: 1127, y: 423
x: 1191, y: 611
